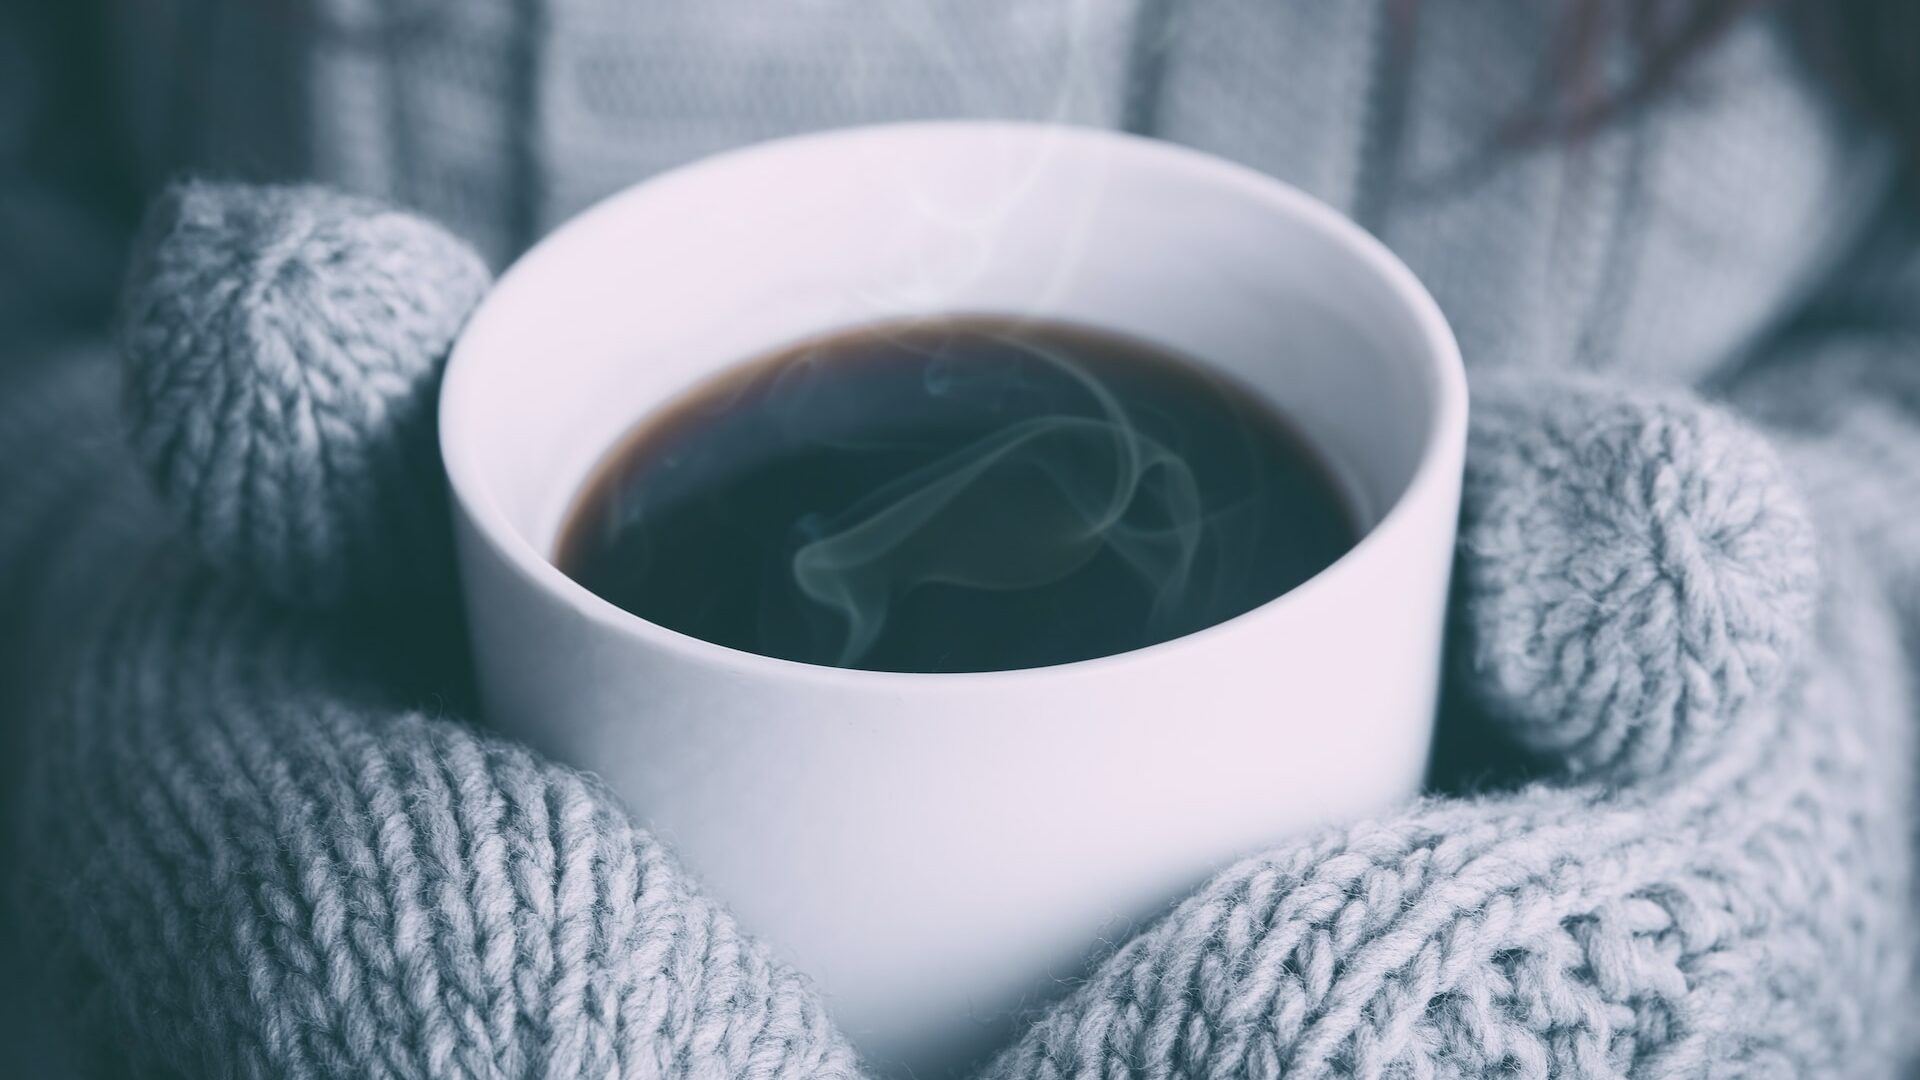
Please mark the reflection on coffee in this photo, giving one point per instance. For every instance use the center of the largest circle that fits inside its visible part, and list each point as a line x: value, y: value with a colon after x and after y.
x: 958, y: 494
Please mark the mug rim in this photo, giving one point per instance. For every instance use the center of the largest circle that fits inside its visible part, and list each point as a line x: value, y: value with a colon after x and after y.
x: 473, y: 499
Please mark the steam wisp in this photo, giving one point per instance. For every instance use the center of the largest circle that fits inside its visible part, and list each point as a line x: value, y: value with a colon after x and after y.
x: 963, y: 494
x: 1083, y: 484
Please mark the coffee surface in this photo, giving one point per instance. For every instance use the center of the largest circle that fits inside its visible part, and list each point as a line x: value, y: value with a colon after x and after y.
x: 961, y: 494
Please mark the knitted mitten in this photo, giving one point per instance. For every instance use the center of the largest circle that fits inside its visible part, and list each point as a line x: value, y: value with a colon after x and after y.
x: 260, y: 843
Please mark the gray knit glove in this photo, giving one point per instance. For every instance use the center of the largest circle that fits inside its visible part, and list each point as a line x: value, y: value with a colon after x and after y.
x: 261, y: 842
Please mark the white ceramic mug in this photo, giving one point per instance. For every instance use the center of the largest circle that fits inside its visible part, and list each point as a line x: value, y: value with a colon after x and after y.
x: 940, y: 849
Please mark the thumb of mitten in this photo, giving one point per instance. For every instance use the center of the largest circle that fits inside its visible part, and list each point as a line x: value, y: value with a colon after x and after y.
x: 1635, y: 568
x: 283, y: 349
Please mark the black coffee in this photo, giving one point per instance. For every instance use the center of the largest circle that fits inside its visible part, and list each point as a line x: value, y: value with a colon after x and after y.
x: 964, y: 494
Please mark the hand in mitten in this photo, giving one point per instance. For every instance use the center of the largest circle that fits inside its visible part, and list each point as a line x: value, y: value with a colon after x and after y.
x: 260, y: 846
x: 1713, y: 880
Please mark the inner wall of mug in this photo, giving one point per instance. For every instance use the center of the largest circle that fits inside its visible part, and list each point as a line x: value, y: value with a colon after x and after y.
x: 673, y: 281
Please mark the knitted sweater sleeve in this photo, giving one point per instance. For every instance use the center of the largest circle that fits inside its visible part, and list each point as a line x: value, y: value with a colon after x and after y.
x: 1722, y: 883
x: 250, y: 840
x: 1717, y: 882
x: 1670, y: 910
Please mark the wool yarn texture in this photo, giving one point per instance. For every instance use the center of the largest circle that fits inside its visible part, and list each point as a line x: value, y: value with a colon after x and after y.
x: 260, y: 837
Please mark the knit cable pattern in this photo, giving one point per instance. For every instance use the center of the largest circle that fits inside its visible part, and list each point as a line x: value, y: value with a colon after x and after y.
x: 265, y: 871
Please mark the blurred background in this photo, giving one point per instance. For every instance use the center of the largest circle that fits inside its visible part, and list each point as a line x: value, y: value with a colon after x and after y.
x: 1648, y: 186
